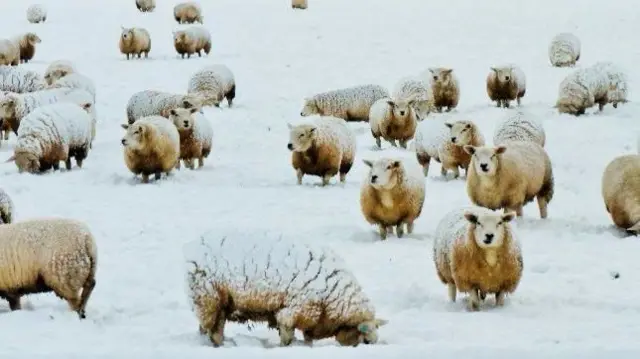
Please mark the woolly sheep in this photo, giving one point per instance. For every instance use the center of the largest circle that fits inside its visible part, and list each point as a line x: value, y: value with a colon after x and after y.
x: 26, y: 44
x: 505, y: 84
x: 58, y: 69
x: 299, y: 4
x: 188, y: 13
x: 76, y: 81
x: 6, y: 208
x: 135, y: 41
x: 393, y: 119
x: 350, y: 104
x: 151, y: 146
x: 9, y: 53
x: 564, y: 50
x: 325, y: 146
x: 418, y: 90
x: 443, y: 141
x: 617, y: 82
x: 580, y: 90
x: 146, y: 5
x: 192, y: 40
x: 262, y: 277
x: 196, y: 135
x: 509, y: 176
x: 50, y: 134
x: 159, y: 103
x: 48, y: 255
x: 519, y: 126
x: 214, y: 83
x: 475, y: 251
x: 20, y: 80
x: 392, y: 195
x: 445, y: 87
x: 620, y: 191
x: 36, y: 13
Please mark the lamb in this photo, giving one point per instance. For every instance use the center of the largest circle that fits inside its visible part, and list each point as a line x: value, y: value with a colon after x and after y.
x: 57, y: 70
x: 196, y: 136
x: 48, y: 255
x: 159, y: 103
x: 76, y: 81
x: 9, y: 53
x: 443, y: 142
x: 192, y: 40
x: 420, y: 91
x: 6, y: 208
x: 476, y: 251
x: 393, y: 119
x: 50, y: 134
x: 519, y: 126
x: 323, y: 147
x: 135, y: 41
x: 299, y: 4
x: 188, y: 13
x: 146, y: 5
x: 564, y: 50
x: 214, y: 83
x: 509, y: 176
x: 262, y: 277
x: 26, y: 44
x: 620, y: 192
x: 36, y: 13
x: 20, y: 80
x: 349, y: 104
x: 392, y: 195
x: 151, y: 146
x: 445, y: 88
x: 505, y: 84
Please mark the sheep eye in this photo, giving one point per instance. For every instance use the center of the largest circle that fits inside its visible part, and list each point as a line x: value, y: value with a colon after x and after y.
x: 500, y: 223
x: 302, y: 135
x: 435, y: 78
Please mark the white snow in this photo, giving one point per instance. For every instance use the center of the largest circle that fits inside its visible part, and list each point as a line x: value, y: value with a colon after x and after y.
x: 568, y: 305
x: 17, y: 79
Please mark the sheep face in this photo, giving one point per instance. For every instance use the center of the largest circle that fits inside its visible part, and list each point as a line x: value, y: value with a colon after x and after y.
x: 127, y: 36
x: 183, y: 118
x: 53, y: 76
x: 488, y: 228
x: 401, y: 108
x: 301, y: 137
x: 383, y: 173
x: 441, y: 76
x: 503, y: 74
x: 485, y: 159
x: 27, y: 162
x: 310, y: 108
x: 460, y: 132
x: 192, y: 101
x: 32, y: 39
x: 135, y: 136
x: 179, y: 37
x: 7, y: 109
x: 366, y: 332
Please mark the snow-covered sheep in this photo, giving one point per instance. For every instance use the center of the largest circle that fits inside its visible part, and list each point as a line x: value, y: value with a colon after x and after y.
x: 76, y: 81
x: 349, y: 104
x: 151, y: 146
x: 196, y: 135
x: 19, y: 80
x: 325, y: 146
x: 509, y: 176
x: 393, y: 120
x: 519, y: 126
x: 159, y: 103
x: 506, y: 84
x: 617, y: 82
x: 417, y: 89
x: 36, y: 13
x: 445, y: 87
x: 263, y: 277
x: 50, y: 134
x: 192, y: 40
x: 188, y: 13
x: 58, y: 69
x: 26, y: 44
x: 9, y: 53
x: 582, y: 89
x: 6, y: 208
x: 48, y: 255
x: 476, y: 251
x: 214, y: 83
x: 443, y: 141
x: 564, y: 50
x: 299, y: 4
x: 392, y: 195
x: 620, y: 191
x: 146, y: 5
x: 135, y: 41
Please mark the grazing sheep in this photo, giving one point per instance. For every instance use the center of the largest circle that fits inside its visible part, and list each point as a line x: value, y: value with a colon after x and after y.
x: 621, y: 190
x: 9, y: 53
x: 443, y: 142
x: 57, y: 70
x: 475, y: 251
x: 285, y: 283
x: 50, y: 134
x: 564, y: 50
x: 196, y: 136
x: 393, y: 119
x: 505, y: 84
x: 146, y: 5
x: 76, y: 81
x: 349, y: 104
x: 299, y: 4
x: 509, y: 176
x: 20, y: 80
x: 445, y: 88
x: 36, y: 13
x: 48, y: 255
x: 188, y: 13
x: 617, y: 82
x: 418, y: 90
x: 135, y: 41
x: 151, y: 146
x: 159, y: 103
x: 323, y: 147
x: 26, y: 44
x: 582, y: 89
x: 191, y: 41
x: 519, y: 126
x: 6, y: 208
x: 392, y: 195
x: 214, y: 83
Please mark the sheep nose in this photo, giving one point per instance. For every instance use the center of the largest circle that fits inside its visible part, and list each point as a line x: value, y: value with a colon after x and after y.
x: 484, y: 167
x: 301, y: 113
x: 488, y: 238
x: 290, y: 146
x: 186, y: 123
x: 506, y: 78
x: 374, y: 178
x: 366, y: 341
x: 124, y: 142
x: 435, y: 78
x: 401, y: 113
x: 453, y: 139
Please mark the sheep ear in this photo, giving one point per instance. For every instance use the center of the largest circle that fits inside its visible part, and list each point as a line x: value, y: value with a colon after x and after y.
x: 125, y: 126
x: 381, y: 322
x: 11, y: 159
x: 86, y: 106
x: 493, y: 69
x: 431, y: 69
x: 289, y: 126
x: 471, y: 217
x: 391, y: 103
x: 467, y: 126
x: 396, y: 164
x: 193, y: 110
x: 122, y: 28
x: 469, y: 149
x: 500, y: 149
x: 447, y: 71
x: 173, y: 112
x: 449, y: 125
x: 312, y: 130
x: 368, y: 163
x: 508, y: 217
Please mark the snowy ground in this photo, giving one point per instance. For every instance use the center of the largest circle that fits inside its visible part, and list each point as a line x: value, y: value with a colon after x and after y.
x: 567, y: 306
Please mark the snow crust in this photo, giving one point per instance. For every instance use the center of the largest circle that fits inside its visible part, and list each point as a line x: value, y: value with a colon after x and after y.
x: 18, y: 80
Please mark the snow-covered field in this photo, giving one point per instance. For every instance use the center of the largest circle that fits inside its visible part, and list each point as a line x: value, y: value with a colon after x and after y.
x: 567, y: 306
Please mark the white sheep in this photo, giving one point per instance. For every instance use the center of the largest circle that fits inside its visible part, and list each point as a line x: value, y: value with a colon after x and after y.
x: 6, y: 208
x: 146, y: 5
x: 76, y: 81
x: 159, y: 103
x: 420, y: 91
x: 196, y: 135
x: 349, y: 104
x: 620, y: 191
x: 519, y: 126
x: 618, y: 84
x: 299, y: 4
x: 259, y: 276
x: 564, y: 50
x: 58, y: 69
x: 192, y: 40
x: 582, y: 89
x: 9, y: 53
x: 214, y: 83
x: 505, y: 84
x: 188, y: 12
x: 36, y: 13
x: 393, y: 119
x: 20, y: 80
x: 134, y: 41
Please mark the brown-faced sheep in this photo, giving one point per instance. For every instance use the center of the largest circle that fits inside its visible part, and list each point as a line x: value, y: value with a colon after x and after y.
x: 445, y: 88
x: 213, y: 83
x: 621, y: 190
x: 188, y: 13
x: 196, y: 135
x: 419, y: 90
x: 299, y: 4
x: 9, y: 53
x: 26, y: 44
x: 349, y: 104
x: 505, y: 84
x: 393, y: 120
x: 191, y: 41
x: 57, y: 70
x: 135, y: 41
x: 146, y: 5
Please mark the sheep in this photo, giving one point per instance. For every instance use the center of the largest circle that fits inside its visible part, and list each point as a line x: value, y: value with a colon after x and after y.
x: 505, y: 84
x: 191, y: 41
x: 323, y: 147
x: 509, y: 176
x: 617, y: 82
x: 48, y: 255
x: 36, y: 13
x: 6, y: 208
x: 76, y: 81
x: 214, y: 83
x: 135, y: 41
x: 9, y: 53
x: 188, y: 13
x: 420, y: 91
x: 443, y: 142
x: 582, y: 89
x: 50, y: 134
x: 393, y: 119
x: 349, y: 104
x: 151, y: 146
x: 26, y: 44
x: 299, y: 4
x: 158, y: 103
x: 20, y: 80
x: 445, y: 88
x: 196, y: 136
x: 57, y: 70
x: 519, y: 126
x: 620, y: 192
x: 146, y: 5
x: 476, y: 251
x: 564, y: 50
x: 392, y: 195
x: 262, y: 277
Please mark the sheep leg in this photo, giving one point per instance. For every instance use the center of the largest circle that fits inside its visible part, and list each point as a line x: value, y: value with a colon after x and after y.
x: 308, y: 339
x: 499, y: 299
x: 423, y: 160
x: 378, y: 142
x: 518, y: 100
x: 145, y: 178
x: 146, y: 54
x: 79, y: 162
x: 14, y: 302
x: 67, y: 163
x: 400, y: 230
x: 6, y: 135
x: 87, y: 289
x: 518, y: 210
x: 474, y: 301
x: 499, y: 103
x: 158, y: 175
x: 542, y: 205
x: 127, y: 56
x: 403, y: 144
x: 452, y: 291
x: 456, y: 172
x: 299, y: 174
x: 393, y: 143
x: 325, y: 179
x: 217, y: 334
x: 178, y: 164
x: 200, y: 162
x: 56, y: 166
x: 199, y: 53
x: 410, y: 227
x: 382, y: 229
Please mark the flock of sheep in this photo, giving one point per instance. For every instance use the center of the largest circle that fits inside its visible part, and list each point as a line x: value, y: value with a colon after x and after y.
x: 264, y: 278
